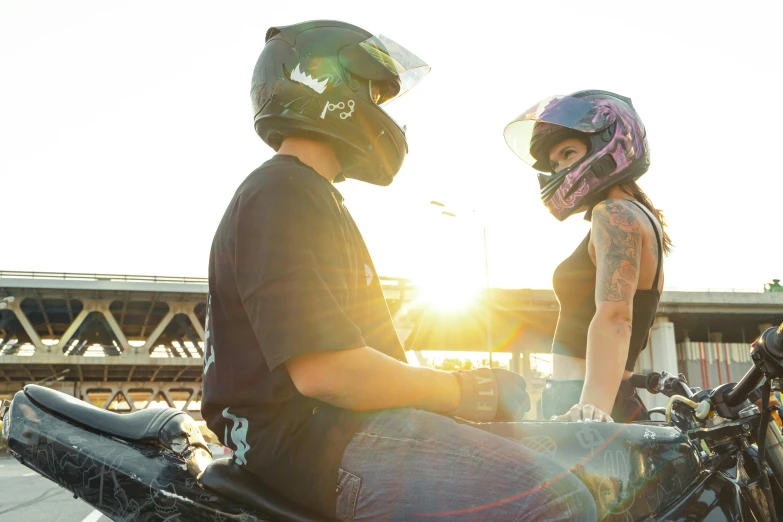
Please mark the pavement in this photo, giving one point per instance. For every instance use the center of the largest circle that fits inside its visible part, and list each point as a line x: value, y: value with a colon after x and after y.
x: 25, y: 496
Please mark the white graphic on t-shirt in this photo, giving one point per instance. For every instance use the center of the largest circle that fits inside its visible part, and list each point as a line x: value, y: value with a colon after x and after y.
x: 368, y: 274
x: 209, y: 353
x: 305, y: 79
x: 238, y: 436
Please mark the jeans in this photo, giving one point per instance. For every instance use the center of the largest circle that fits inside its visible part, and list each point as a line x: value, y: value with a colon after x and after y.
x: 408, y: 464
x: 558, y: 397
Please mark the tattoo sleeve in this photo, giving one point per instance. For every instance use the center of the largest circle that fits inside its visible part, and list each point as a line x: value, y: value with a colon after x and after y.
x: 617, y: 239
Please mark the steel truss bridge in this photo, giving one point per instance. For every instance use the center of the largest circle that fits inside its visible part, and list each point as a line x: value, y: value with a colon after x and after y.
x: 120, y: 341
x: 124, y: 342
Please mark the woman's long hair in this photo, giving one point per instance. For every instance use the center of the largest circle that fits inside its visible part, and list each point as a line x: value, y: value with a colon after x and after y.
x: 632, y: 189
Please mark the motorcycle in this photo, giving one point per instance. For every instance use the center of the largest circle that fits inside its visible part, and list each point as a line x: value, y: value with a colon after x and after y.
x: 714, y: 457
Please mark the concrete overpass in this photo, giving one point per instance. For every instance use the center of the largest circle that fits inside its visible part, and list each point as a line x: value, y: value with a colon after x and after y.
x: 117, y: 339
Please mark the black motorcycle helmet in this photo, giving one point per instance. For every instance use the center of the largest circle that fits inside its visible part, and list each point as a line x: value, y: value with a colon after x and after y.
x: 326, y: 80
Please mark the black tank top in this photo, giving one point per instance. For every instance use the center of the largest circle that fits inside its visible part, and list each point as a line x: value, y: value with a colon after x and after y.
x: 574, y: 285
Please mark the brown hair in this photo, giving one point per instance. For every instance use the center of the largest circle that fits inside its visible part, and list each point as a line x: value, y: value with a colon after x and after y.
x: 632, y: 189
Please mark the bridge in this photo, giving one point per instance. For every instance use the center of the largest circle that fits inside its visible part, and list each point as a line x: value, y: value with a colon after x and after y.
x: 124, y: 342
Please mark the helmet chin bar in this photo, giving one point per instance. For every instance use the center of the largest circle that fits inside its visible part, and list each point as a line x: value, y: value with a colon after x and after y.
x: 551, y: 182
x: 600, y: 168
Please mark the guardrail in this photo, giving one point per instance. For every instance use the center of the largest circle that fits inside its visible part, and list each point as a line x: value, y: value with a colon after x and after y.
x: 102, y: 277
x: 716, y: 290
x: 386, y: 281
x: 11, y: 274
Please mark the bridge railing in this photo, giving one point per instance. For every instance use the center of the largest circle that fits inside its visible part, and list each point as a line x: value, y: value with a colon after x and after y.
x: 669, y: 288
x: 13, y: 274
x: 102, y: 277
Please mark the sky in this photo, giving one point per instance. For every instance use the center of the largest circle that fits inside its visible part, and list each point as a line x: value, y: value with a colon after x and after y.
x: 125, y: 128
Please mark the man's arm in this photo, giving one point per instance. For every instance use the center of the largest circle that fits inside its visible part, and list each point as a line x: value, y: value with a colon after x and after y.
x: 366, y: 379
x: 617, y: 238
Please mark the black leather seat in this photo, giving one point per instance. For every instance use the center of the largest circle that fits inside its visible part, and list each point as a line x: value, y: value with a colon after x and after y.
x: 223, y: 476
x: 138, y: 426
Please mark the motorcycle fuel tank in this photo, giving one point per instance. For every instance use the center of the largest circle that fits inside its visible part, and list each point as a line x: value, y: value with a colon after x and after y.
x: 633, y: 470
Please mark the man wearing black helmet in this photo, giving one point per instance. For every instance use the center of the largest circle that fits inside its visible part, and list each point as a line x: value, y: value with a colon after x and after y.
x: 304, y: 375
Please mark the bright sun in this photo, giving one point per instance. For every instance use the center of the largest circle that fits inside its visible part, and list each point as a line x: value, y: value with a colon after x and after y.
x: 452, y: 271
x: 447, y: 295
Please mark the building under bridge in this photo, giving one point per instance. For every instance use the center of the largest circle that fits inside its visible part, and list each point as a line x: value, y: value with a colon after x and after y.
x: 124, y: 342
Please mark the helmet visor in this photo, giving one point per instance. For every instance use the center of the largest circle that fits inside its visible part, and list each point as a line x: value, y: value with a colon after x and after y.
x: 565, y: 111
x: 400, y: 64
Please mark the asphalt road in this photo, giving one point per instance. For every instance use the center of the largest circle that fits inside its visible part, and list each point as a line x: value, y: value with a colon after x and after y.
x: 25, y: 496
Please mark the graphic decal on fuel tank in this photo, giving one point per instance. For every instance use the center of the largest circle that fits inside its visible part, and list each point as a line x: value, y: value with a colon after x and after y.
x: 541, y: 444
x: 617, y: 497
x: 164, y: 496
x: 590, y: 438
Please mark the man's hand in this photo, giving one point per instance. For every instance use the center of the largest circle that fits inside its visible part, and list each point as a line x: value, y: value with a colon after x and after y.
x: 513, y: 400
x: 583, y: 413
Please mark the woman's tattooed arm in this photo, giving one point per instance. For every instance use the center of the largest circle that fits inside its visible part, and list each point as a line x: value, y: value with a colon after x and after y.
x: 617, y: 239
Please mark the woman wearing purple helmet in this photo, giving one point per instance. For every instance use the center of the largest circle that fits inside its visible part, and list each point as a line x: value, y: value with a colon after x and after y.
x: 590, y: 147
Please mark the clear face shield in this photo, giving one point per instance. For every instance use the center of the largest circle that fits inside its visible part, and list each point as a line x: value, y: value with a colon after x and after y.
x: 535, y: 131
x: 390, y: 69
x: 566, y: 112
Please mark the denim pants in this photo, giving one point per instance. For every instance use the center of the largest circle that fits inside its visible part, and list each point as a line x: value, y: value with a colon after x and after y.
x: 558, y: 397
x: 407, y: 464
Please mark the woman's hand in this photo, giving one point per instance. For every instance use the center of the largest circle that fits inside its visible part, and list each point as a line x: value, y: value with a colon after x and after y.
x: 583, y: 413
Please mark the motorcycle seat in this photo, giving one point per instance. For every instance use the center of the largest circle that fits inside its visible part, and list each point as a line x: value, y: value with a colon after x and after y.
x: 227, y: 478
x: 137, y: 426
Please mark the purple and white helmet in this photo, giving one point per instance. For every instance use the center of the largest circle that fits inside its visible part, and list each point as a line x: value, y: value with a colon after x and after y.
x: 617, y: 149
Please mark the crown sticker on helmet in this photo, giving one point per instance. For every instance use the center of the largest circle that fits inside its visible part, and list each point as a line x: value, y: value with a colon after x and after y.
x: 305, y: 79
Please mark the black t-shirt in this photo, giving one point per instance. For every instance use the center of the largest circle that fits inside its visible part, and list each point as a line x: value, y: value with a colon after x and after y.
x: 289, y: 273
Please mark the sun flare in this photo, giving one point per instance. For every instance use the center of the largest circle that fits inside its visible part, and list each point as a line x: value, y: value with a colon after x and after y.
x: 447, y: 295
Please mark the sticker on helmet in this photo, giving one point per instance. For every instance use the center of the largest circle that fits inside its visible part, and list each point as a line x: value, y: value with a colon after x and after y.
x: 341, y: 106
x: 305, y: 79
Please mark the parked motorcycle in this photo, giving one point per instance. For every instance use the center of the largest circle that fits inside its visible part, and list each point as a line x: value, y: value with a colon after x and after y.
x: 714, y: 457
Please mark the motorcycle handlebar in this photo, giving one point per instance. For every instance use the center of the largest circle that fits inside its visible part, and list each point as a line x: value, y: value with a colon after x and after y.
x: 742, y: 389
x: 771, y: 342
x: 646, y: 382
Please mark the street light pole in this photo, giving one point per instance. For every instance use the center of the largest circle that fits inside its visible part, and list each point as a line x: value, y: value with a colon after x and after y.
x: 486, y: 257
x: 490, y: 344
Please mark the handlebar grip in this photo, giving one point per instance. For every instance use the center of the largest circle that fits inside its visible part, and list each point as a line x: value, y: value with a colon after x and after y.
x: 773, y: 338
x: 638, y: 380
x: 646, y: 382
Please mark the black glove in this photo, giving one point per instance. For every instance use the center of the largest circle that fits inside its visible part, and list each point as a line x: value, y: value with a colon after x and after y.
x: 513, y: 399
x: 492, y: 395
x: 479, y: 402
